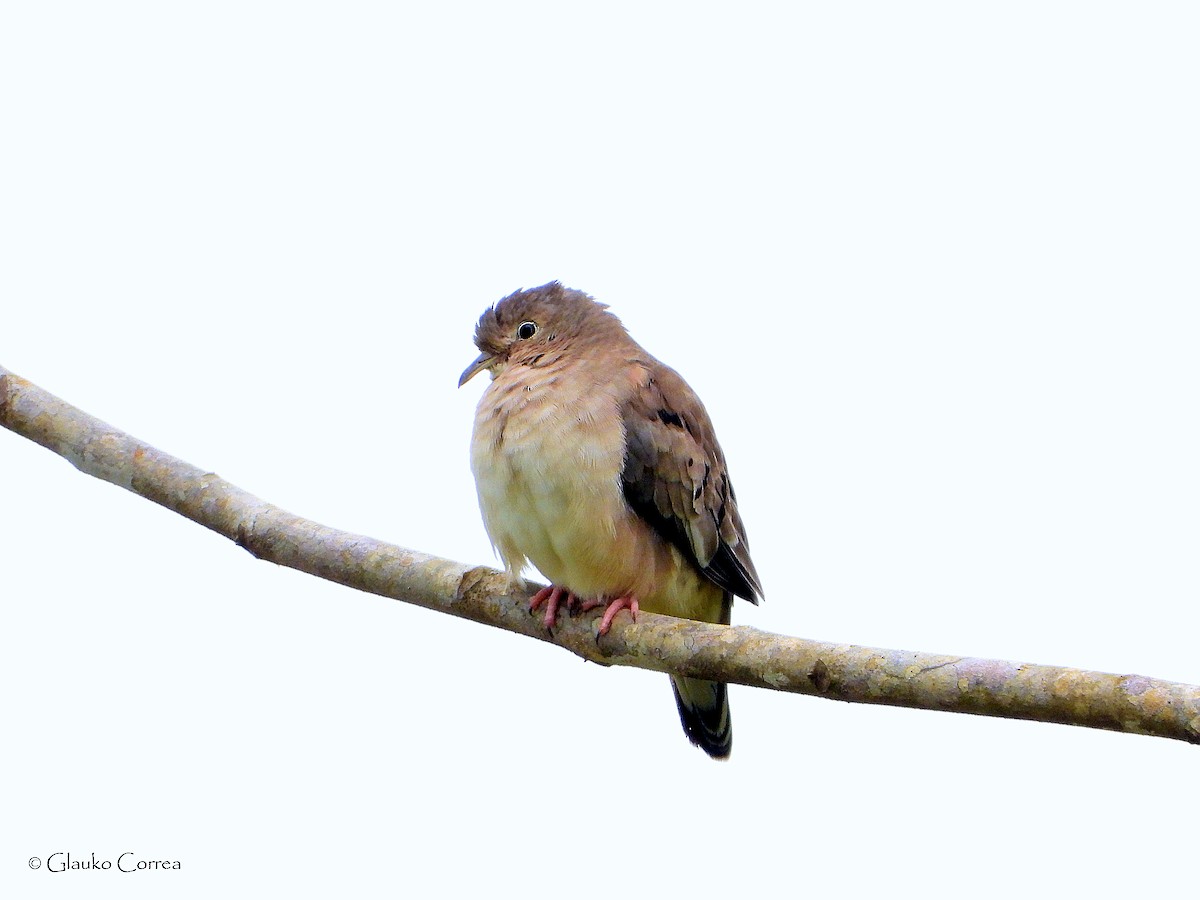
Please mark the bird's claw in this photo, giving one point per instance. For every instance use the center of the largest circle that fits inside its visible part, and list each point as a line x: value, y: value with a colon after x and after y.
x: 552, y: 596
x: 615, y: 606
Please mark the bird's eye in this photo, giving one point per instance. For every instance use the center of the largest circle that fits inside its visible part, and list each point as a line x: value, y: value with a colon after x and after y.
x: 526, y: 330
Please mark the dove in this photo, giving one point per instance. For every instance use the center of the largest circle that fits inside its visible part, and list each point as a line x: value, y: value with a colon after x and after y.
x: 598, y: 465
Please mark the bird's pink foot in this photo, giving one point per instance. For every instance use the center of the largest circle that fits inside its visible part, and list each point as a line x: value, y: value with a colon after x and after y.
x: 614, y: 606
x: 553, y: 597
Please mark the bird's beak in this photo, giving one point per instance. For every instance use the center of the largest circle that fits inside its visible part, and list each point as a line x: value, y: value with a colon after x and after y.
x: 482, y: 361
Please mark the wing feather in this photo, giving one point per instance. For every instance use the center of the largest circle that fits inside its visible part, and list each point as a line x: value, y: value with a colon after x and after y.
x: 675, y: 478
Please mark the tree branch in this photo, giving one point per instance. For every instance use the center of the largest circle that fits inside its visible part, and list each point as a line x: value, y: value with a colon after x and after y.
x: 736, y: 654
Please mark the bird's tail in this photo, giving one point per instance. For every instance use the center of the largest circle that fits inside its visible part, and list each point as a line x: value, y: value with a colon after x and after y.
x: 704, y: 712
x: 704, y: 705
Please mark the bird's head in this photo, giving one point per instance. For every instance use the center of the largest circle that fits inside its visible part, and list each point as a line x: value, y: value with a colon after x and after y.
x: 538, y: 326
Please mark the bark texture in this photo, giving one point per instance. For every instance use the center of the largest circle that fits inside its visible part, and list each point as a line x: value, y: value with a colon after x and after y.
x: 735, y: 654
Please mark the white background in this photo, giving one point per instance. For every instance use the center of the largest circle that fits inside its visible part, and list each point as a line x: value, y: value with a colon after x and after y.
x: 932, y: 267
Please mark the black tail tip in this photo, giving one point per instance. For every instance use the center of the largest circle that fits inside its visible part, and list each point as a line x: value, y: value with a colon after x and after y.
x: 704, y: 713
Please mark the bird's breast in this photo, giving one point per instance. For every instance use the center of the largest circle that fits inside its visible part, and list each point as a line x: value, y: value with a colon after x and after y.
x: 547, y: 453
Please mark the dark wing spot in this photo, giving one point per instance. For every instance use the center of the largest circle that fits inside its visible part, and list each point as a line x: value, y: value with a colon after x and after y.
x: 698, y: 490
x: 669, y: 418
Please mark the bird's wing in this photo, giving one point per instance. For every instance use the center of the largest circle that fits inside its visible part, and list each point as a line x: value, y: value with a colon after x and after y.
x: 675, y: 478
